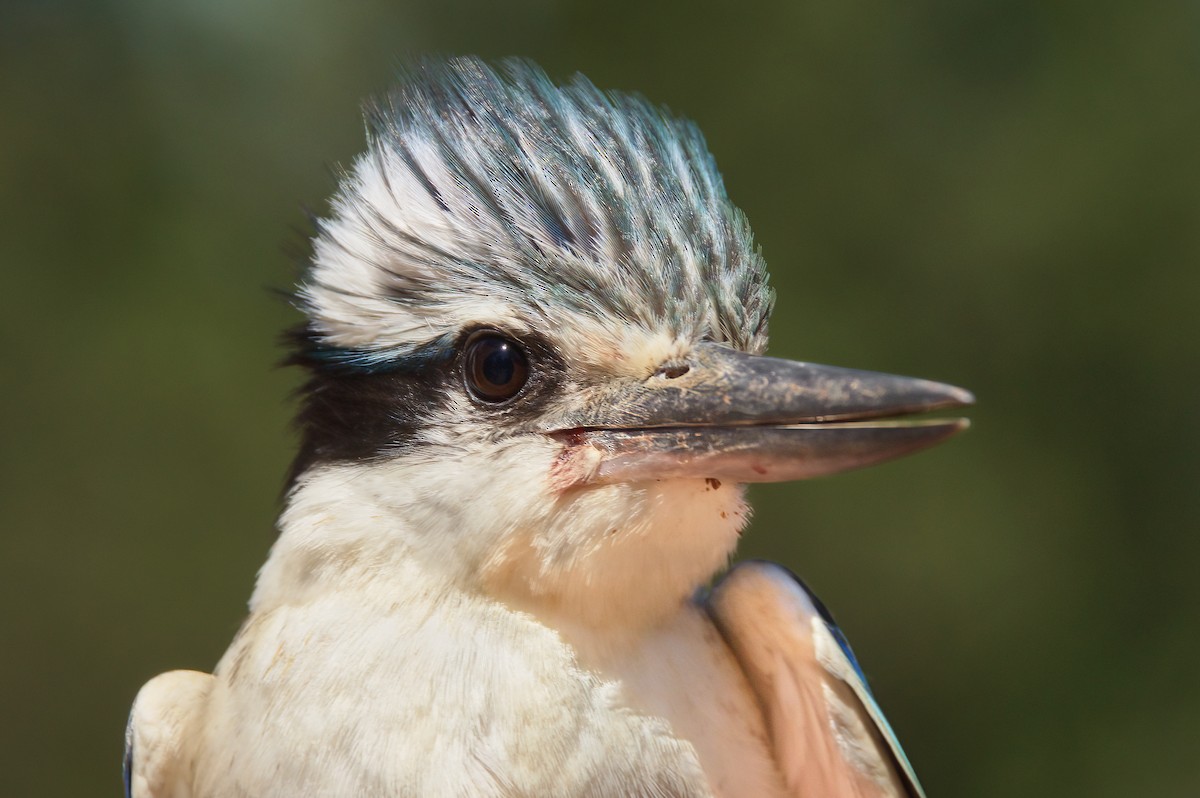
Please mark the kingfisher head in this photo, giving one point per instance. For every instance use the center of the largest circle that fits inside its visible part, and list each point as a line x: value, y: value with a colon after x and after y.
x: 534, y: 338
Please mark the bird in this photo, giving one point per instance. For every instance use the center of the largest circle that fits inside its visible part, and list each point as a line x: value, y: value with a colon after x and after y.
x: 535, y: 391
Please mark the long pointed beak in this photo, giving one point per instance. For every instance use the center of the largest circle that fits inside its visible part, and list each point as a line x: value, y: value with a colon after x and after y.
x: 729, y: 415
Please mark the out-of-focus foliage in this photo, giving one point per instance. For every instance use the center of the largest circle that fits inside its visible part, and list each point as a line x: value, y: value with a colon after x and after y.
x: 1004, y: 195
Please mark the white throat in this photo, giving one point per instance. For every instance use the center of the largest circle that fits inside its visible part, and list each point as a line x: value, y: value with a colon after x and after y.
x: 618, y: 558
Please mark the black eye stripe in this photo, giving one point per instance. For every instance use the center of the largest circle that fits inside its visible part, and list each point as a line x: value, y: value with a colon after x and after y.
x: 357, y: 407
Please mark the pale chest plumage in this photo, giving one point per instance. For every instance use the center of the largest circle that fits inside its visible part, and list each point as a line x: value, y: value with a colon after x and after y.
x: 438, y: 693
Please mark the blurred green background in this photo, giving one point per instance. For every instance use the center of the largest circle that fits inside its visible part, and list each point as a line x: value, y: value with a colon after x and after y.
x: 1003, y: 195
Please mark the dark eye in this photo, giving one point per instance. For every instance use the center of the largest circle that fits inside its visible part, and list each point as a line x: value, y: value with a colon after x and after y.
x: 495, y: 368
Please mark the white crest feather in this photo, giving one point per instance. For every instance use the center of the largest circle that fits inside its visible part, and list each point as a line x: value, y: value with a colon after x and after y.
x: 495, y: 196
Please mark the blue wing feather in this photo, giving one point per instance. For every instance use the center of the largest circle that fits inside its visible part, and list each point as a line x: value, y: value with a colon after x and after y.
x: 127, y: 765
x: 862, y: 689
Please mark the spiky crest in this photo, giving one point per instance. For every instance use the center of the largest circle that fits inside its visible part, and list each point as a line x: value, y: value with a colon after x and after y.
x: 490, y: 194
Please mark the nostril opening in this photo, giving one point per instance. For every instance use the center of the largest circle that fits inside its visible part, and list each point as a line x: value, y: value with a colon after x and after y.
x: 675, y: 371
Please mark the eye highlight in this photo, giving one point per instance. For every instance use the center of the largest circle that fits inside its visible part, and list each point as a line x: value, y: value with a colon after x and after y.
x: 494, y: 367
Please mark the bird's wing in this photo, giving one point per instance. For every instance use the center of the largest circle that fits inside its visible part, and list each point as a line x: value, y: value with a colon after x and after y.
x: 158, y: 744
x: 829, y: 737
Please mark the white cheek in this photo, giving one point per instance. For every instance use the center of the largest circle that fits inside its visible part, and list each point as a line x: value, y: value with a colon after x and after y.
x: 492, y: 521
